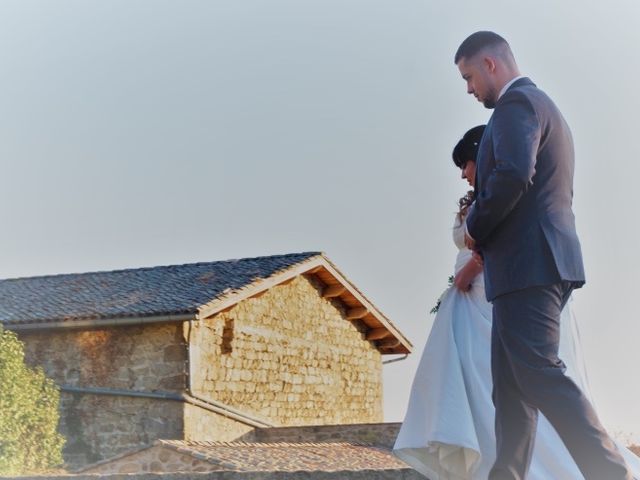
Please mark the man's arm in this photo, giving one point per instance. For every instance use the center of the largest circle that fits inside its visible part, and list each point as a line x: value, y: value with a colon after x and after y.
x: 516, y: 136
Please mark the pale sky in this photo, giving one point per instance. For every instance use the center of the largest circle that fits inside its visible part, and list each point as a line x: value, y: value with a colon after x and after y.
x: 139, y: 133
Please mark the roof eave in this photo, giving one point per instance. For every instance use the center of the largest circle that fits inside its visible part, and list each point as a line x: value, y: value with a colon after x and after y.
x: 398, y: 343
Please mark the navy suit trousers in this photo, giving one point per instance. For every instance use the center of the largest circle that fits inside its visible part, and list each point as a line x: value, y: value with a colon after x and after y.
x: 528, y: 376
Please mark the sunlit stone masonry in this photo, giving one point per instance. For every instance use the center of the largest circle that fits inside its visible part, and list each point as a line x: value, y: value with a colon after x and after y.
x: 202, y: 352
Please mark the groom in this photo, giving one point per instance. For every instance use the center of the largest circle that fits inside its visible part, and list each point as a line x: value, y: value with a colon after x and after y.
x: 523, y: 226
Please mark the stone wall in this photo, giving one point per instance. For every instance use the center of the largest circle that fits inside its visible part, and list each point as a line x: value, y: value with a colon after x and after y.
x: 147, y: 358
x: 98, y: 427
x: 289, y: 356
x: 201, y: 424
x: 381, y: 434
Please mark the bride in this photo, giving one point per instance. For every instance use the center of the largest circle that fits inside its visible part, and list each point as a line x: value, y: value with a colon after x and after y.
x: 448, y: 431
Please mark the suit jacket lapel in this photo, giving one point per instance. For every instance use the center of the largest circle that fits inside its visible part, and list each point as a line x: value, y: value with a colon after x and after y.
x: 486, y: 137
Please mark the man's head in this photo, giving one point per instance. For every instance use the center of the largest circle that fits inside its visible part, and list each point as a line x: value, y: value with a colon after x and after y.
x: 486, y: 63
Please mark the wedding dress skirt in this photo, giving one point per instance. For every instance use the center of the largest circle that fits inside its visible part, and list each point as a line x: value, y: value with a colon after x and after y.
x: 448, y: 431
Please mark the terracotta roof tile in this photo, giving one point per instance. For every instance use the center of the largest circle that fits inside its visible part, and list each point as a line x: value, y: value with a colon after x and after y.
x: 289, y: 457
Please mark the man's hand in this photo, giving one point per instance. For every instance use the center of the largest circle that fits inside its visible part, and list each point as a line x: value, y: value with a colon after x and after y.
x: 465, y: 276
x: 469, y: 242
x: 477, y: 258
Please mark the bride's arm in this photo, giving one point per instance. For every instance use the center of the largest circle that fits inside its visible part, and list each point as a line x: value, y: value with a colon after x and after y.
x: 465, y: 276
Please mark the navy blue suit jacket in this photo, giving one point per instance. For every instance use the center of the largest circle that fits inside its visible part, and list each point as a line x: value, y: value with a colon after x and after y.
x: 522, y: 219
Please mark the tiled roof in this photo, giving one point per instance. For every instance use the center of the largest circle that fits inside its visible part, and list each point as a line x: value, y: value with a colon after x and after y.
x: 289, y: 457
x: 141, y: 292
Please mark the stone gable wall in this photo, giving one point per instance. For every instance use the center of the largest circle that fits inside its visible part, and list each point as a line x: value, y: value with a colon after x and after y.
x: 290, y: 357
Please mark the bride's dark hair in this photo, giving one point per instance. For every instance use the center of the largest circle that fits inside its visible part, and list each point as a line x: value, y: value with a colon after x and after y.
x: 467, y: 150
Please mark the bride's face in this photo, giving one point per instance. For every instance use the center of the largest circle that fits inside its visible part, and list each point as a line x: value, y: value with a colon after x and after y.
x: 469, y: 172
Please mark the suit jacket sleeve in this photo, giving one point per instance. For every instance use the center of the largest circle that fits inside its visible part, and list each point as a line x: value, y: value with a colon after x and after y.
x: 516, y: 136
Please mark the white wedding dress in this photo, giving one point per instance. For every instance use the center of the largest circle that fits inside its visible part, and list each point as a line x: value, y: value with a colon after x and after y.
x: 448, y: 431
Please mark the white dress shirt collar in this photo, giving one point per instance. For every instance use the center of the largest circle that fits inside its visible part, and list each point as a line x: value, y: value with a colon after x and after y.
x: 509, y: 83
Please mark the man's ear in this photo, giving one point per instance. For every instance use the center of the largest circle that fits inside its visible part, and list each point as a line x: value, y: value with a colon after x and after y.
x: 490, y: 64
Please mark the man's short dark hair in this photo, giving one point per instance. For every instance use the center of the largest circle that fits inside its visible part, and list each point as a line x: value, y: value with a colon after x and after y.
x: 475, y: 42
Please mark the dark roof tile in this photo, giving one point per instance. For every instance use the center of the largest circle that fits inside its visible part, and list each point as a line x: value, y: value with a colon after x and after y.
x: 141, y: 292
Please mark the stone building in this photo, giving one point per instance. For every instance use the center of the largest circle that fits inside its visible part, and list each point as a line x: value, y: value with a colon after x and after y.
x: 202, y: 352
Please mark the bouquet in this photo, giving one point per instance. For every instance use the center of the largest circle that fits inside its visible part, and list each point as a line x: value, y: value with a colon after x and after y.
x: 434, y: 310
